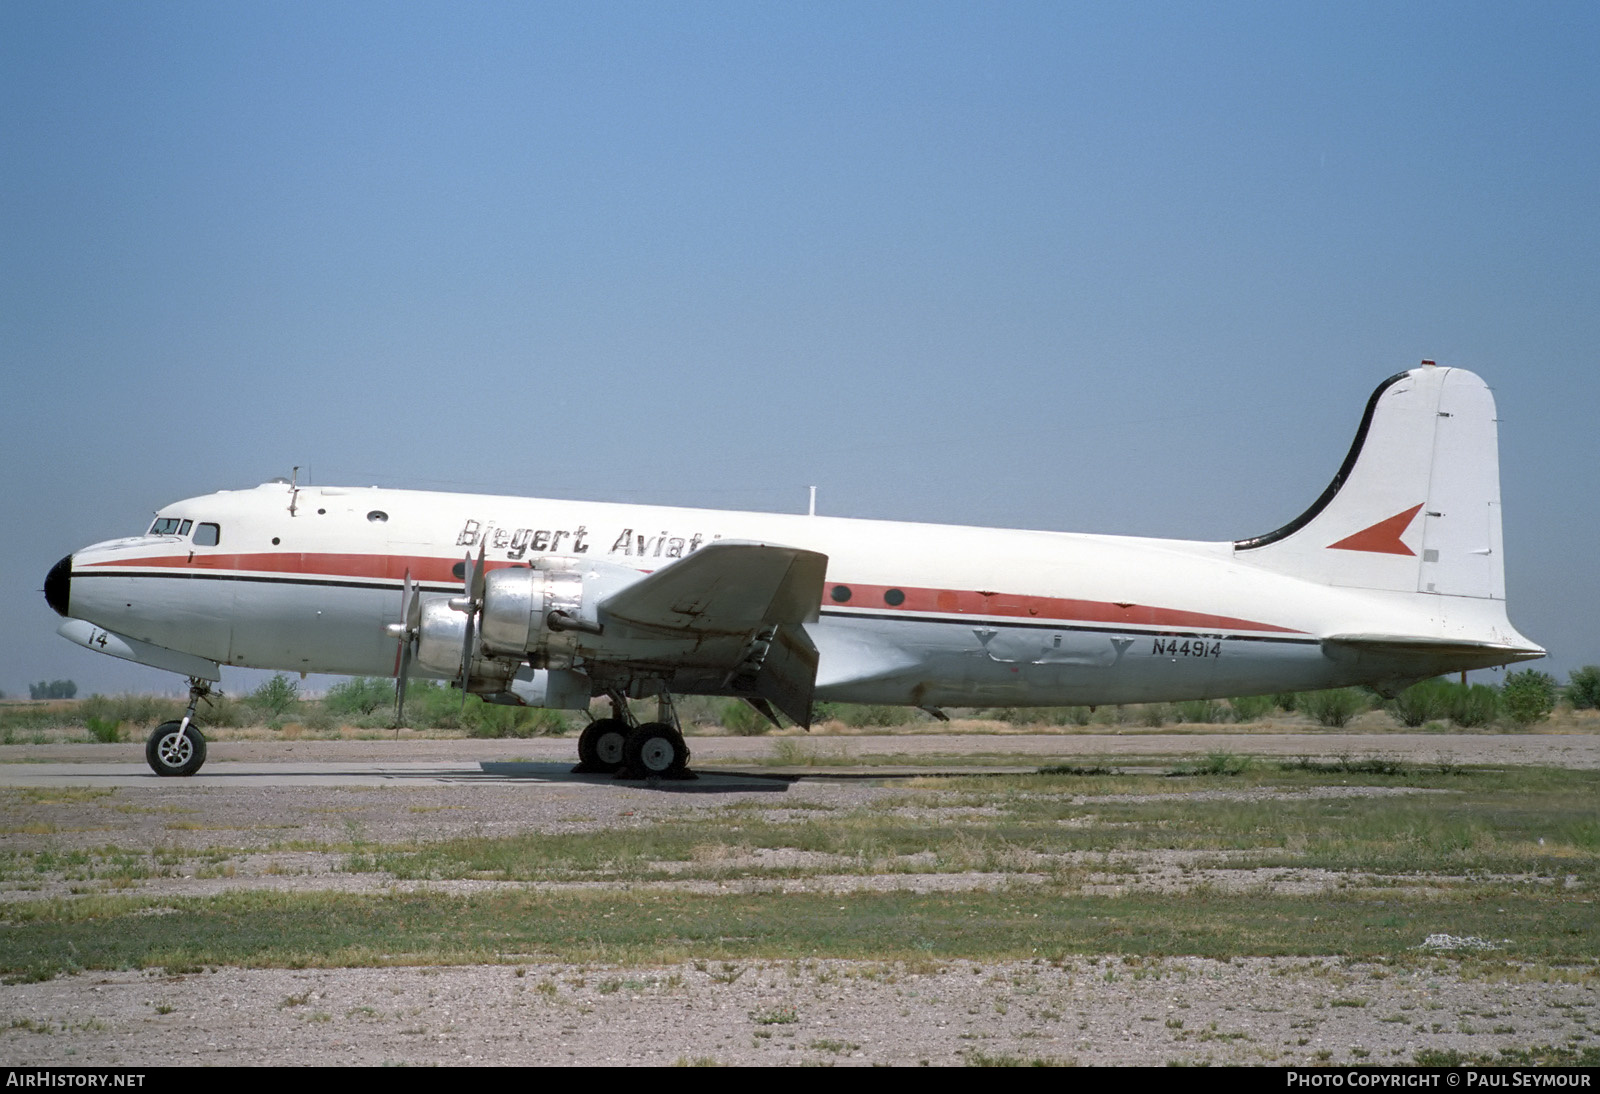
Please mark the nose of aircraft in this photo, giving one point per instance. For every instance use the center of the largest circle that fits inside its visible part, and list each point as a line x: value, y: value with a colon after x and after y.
x: 58, y: 585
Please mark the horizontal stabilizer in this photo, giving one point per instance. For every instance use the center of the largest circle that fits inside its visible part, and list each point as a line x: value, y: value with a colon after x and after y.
x: 1401, y: 642
x: 1450, y: 653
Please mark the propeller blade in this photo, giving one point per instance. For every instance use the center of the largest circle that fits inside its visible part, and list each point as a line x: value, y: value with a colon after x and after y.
x: 473, y: 584
x: 475, y: 578
x: 466, y: 659
x: 410, y: 623
x: 400, y: 685
x: 413, y: 606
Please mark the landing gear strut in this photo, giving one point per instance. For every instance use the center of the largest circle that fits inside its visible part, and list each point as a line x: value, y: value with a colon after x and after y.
x: 178, y: 748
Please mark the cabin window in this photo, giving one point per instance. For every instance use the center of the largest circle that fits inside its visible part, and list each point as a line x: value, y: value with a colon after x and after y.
x: 207, y: 535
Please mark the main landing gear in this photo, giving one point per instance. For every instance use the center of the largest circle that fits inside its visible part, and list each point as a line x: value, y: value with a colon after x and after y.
x: 178, y: 748
x: 619, y: 745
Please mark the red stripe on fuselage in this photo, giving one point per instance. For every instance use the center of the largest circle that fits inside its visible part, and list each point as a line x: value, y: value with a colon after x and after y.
x: 875, y: 598
x: 1045, y: 609
x: 382, y: 567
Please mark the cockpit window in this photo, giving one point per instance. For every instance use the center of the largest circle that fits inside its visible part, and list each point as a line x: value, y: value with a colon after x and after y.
x: 170, y: 526
x: 207, y: 535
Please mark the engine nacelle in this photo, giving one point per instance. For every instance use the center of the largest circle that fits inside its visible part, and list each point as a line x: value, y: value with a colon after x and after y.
x: 538, y: 617
x: 519, y: 606
x: 544, y: 615
x: 440, y: 638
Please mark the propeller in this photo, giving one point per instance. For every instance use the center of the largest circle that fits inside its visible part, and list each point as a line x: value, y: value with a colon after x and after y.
x: 406, y: 631
x: 472, y: 583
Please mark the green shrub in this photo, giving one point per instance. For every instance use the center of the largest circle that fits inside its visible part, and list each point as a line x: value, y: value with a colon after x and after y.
x: 873, y: 715
x: 494, y: 720
x: 1202, y: 712
x: 432, y: 705
x: 1251, y: 708
x: 692, y: 710
x: 223, y: 711
x: 1583, y: 688
x: 104, y: 730
x: 1287, y: 701
x: 1154, y: 715
x: 133, y: 710
x: 1022, y: 716
x: 1216, y: 763
x: 824, y: 712
x: 1473, y: 705
x: 1423, y: 702
x: 1528, y: 696
x: 743, y: 720
x: 277, y: 697
x: 1117, y: 715
x: 317, y: 718
x: 359, y: 695
x: 1334, y: 707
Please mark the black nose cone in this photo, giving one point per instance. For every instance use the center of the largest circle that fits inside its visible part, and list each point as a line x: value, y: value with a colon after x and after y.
x: 58, y: 585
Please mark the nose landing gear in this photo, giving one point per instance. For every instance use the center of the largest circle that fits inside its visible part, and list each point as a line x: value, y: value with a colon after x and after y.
x: 178, y: 749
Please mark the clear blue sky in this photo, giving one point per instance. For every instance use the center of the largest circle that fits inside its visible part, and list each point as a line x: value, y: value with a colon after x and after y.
x: 1114, y: 268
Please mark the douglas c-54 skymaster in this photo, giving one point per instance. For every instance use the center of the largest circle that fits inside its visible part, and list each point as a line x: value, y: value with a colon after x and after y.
x: 1392, y: 576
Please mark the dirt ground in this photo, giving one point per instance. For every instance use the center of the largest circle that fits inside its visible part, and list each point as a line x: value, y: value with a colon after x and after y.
x: 1091, y: 1011
x: 1248, y: 1011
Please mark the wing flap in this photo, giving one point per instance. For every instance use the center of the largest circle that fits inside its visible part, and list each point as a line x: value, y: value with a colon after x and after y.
x: 789, y: 675
x: 741, y: 607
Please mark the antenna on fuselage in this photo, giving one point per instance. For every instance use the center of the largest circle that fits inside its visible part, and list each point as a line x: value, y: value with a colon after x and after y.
x: 294, y: 489
x: 813, y: 510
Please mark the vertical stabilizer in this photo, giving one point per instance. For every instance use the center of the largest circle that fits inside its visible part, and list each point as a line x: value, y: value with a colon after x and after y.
x: 1415, y: 506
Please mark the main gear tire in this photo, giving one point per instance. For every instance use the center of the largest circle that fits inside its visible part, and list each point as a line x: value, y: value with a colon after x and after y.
x: 655, y: 751
x: 601, y: 747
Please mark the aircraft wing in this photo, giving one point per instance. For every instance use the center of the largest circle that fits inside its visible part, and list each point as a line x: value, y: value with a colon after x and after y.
x: 739, y: 609
x: 723, y: 588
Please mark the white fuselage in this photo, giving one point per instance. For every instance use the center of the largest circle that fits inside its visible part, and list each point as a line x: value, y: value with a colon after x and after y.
x: 307, y: 579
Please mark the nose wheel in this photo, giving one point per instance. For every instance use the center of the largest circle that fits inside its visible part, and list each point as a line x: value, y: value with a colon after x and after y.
x: 178, y: 749
x: 175, y: 749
